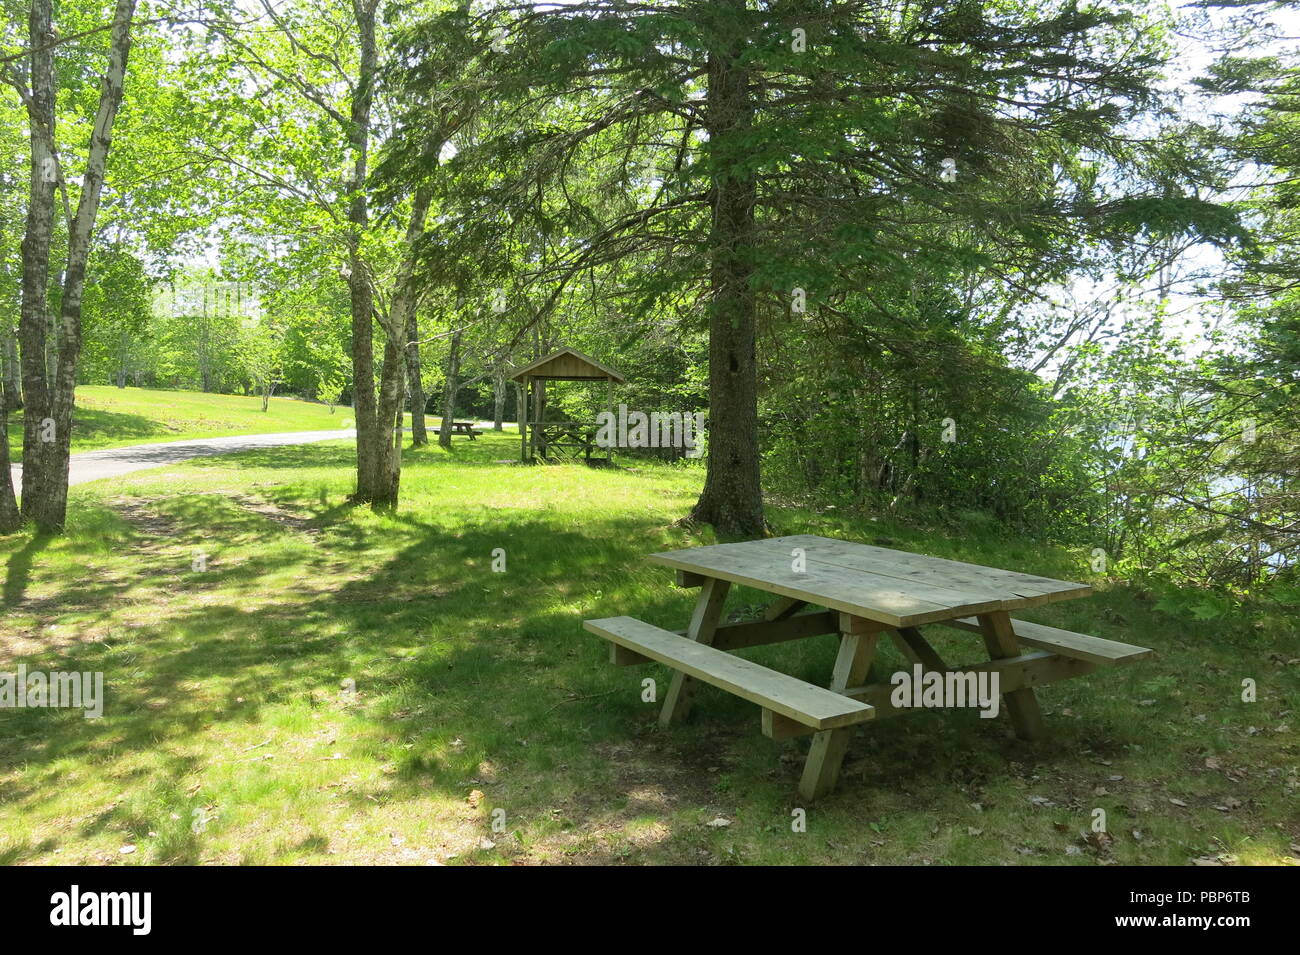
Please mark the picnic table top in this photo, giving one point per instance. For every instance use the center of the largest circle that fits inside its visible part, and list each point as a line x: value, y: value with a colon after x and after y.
x: 893, y: 587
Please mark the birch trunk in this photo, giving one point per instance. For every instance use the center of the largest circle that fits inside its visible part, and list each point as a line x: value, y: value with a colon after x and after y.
x: 449, y: 392
x: 44, y: 496
x: 45, y: 479
x: 10, y: 519
x: 33, y: 321
x: 12, y: 385
x: 388, y: 451
x: 498, y: 397
x: 370, y: 432
x: 123, y: 349
x: 415, y: 383
x: 378, y: 418
x: 405, y: 318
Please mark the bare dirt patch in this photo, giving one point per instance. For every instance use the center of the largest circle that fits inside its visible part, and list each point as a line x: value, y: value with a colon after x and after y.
x: 277, y: 515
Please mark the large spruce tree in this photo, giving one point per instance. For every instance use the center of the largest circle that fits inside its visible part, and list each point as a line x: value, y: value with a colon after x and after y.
x: 749, y: 149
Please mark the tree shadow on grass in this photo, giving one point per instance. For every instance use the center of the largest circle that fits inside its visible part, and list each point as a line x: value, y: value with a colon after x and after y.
x: 446, y: 650
x: 484, y: 452
x: 437, y: 601
x: 99, y: 428
x: 18, y: 569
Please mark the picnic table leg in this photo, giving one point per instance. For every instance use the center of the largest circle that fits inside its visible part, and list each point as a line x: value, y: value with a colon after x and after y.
x: 704, y: 623
x: 858, y: 639
x: 917, y: 649
x: 784, y: 608
x: 1000, y: 640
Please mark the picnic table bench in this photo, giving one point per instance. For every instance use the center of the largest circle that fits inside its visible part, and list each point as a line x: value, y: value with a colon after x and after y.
x: 864, y: 593
x: 461, y: 427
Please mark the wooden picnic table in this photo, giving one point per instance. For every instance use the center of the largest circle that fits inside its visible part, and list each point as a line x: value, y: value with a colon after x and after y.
x: 864, y: 593
x: 460, y: 427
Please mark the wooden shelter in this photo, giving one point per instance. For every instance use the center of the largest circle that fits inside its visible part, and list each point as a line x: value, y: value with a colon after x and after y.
x: 538, y: 437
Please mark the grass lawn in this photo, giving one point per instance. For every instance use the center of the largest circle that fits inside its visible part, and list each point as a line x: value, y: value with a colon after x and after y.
x: 108, y: 417
x: 231, y: 733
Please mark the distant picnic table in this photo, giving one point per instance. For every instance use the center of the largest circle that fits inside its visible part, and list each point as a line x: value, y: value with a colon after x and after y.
x: 460, y: 427
x: 864, y: 592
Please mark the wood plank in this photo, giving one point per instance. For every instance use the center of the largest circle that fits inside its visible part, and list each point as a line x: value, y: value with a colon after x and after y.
x: 687, y: 579
x: 789, y: 696
x: 1022, y: 705
x: 785, y: 607
x: 1018, y: 589
x: 1036, y: 668
x: 1065, y: 642
x: 917, y: 649
x: 704, y: 622
x: 838, y: 588
x: 753, y: 633
x: 852, y: 663
x: 1023, y: 671
x: 758, y: 633
x: 778, y: 727
x: 623, y: 657
x: 942, y: 568
x: 761, y: 554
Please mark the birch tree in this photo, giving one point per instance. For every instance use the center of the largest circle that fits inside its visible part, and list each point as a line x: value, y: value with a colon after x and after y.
x: 50, y: 360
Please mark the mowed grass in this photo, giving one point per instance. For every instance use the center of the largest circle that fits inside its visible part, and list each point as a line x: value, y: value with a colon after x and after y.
x: 108, y: 417
x: 487, y: 727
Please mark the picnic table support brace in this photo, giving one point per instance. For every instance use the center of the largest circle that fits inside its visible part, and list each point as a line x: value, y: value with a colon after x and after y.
x: 784, y: 608
x: 917, y: 649
x: 1001, y: 643
x: 704, y: 623
x: 858, y: 638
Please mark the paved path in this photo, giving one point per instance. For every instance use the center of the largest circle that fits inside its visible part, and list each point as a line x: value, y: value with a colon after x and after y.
x: 112, y: 462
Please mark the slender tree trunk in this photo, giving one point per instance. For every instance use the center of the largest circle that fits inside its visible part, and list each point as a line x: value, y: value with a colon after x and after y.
x: 732, y: 500
x: 405, y: 317
x: 370, y: 431
x: 45, y: 480
x: 498, y: 396
x: 123, y: 348
x: 34, y: 318
x: 10, y: 519
x: 450, y: 389
x: 378, y: 418
x: 521, y: 415
x: 415, y: 383
x: 392, y: 389
x: 205, y: 368
x: 12, y: 385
